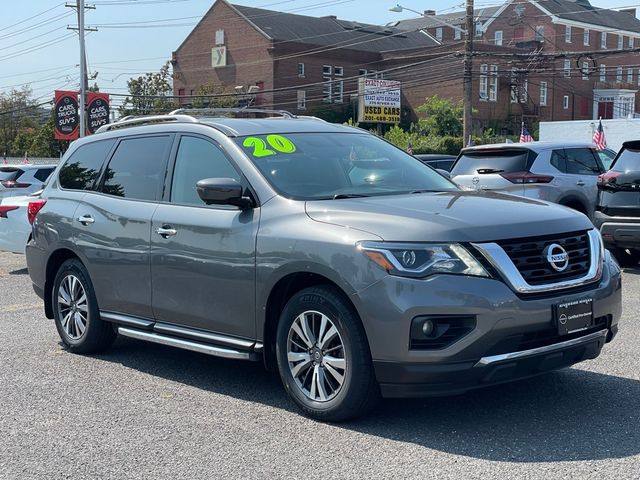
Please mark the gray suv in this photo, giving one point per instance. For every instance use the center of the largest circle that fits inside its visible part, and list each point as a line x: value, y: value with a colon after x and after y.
x: 321, y: 250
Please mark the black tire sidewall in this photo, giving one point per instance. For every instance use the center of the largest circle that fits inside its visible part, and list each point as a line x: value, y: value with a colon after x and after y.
x: 74, y: 267
x: 325, y: 300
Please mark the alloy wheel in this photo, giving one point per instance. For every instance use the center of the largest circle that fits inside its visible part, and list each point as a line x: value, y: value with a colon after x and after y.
x: 73, y: 309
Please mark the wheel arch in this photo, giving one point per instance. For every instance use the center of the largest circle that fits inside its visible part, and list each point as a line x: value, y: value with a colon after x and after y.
x: 575, y: 203
x: 54, y: 261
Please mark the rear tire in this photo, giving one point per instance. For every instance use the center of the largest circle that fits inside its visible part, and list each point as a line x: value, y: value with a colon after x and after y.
x: 75, y: 311
x: 323, y: 356
x: 627, y: 257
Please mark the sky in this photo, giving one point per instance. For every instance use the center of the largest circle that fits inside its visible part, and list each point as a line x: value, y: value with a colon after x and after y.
x: 138, y: 36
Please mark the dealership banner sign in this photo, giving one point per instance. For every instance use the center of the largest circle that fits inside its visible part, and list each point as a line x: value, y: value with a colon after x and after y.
x: 97, y: 111
x: 379, y: 101
x: 67, y: 117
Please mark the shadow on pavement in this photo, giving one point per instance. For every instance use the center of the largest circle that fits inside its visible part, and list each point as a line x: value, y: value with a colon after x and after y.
x: 22, y: 271
x: 568, y: 415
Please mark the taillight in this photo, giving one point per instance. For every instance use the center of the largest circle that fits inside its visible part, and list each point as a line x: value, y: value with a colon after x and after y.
x: 33, y: 208
x: 526, y: 177
x: 5, y: 209
x: 14, y: 184
x: 608, y: 177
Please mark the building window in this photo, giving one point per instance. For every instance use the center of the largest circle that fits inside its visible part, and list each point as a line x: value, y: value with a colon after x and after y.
x: 565, y: 102
x: 586, y: 37
x: 484, y: 83
x: 619, y: 74
x: 543, y: 94
x: 540, y: 33
x: 457, y: 33
x: 498, y: 37
x: 478, y: 29
x: 603, y: 73
x: 603, y: 40
x: 629, y: 75
x: 439, y: 34
x: 338, y: 71
x: 620, y: 42
x: 524, y: 92
x: 338, y: 91
x: 302, y: 100
x: 631, y: 42
x: 585, y: 70
x: 301, y: 70
x: 513, y: 93
x: 493, y: 83
x: 326, y: 70
x: 219, y: 37
x: 567, y: 34
x: 326, y: 90
x: 567, y: 68
x: 362, y: 72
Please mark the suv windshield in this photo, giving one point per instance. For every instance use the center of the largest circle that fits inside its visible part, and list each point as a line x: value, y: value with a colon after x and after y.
x: 491, y: 161
x: 317, y: 166
x: 628, y: 161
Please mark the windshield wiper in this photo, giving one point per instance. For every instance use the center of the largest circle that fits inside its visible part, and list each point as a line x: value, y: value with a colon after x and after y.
x: 339, y: 196
x: 489, y: 170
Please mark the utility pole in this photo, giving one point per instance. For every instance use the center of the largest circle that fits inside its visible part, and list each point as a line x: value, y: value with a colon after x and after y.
x: 467, y: 122
x: 84, y: 81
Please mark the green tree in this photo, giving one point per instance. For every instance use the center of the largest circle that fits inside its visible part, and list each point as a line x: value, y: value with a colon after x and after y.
x: 15, y: 107
x: 213, y: 96
x: 443, y: 117
x: 149, y: 94
x: 43, y: 143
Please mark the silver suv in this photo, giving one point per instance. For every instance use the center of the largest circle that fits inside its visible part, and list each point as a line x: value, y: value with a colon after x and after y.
x: 23, y: 179
x: 321, y: 250
x: 564, y: 173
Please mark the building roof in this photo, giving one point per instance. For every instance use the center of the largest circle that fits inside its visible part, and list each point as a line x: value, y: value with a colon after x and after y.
x: 582, y: 11
x: 333, y: 32
x: 454, y: 18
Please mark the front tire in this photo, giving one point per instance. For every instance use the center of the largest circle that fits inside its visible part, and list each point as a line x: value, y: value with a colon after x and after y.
x: 323, y: 356
x: 75, y: 311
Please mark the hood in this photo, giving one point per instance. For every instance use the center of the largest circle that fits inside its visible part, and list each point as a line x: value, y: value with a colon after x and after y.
x: 458, y: 216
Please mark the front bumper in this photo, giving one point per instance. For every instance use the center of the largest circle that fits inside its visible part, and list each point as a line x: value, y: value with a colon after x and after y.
x: 515, y: 336
x: 620, y: 232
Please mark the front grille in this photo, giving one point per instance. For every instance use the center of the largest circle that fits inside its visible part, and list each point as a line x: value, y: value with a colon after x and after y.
x: 528, y: 257
x: 543, y: 338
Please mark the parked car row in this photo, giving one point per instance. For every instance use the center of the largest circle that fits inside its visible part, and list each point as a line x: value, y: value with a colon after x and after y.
x: 324, y: 252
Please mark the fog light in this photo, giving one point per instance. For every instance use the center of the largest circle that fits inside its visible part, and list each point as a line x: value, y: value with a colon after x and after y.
x: 427, y: 328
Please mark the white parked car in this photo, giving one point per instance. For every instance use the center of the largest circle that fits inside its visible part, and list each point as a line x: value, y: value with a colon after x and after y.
x: 15, y: 228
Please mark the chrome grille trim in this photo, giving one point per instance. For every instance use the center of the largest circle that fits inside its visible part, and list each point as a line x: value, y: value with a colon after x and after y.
x: 499, y: 259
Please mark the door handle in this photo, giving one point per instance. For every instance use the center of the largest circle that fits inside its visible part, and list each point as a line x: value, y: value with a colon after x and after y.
x: 580, y: 183
x: 86, y: 220
x: 166, y: 231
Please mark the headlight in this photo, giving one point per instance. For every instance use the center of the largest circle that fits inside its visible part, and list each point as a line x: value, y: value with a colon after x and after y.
x: 419, y: 260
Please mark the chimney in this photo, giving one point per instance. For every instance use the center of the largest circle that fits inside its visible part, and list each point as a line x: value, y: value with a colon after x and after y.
x: 630, y: 11
x: 429, y: 13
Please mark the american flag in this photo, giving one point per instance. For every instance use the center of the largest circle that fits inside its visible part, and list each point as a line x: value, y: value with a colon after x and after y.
x: 598, y: 137
x: 525, y: 136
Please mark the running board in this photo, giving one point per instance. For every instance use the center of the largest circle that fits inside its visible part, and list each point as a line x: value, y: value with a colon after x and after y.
x: 187, y: 344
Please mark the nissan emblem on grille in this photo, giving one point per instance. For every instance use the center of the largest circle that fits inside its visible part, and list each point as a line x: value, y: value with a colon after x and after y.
x: 557, y: 257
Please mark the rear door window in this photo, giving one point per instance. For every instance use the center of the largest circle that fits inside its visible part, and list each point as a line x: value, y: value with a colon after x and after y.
x: 628, y: 161
x: 82, y: 169
x: 492, y: 161
x: 581, y: 161
x: 559, y: 160
x: 137, y: 168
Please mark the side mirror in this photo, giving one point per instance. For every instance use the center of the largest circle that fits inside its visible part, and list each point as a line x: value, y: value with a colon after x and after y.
x: 222, y: 191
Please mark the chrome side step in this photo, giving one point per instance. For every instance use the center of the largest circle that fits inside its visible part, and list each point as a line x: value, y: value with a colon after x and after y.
x: 216, y: 351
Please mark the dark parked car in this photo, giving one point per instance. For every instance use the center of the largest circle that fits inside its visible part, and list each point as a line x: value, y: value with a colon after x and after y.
x: 319, y: 249
x: 437, y: 161
x: 618, y: 205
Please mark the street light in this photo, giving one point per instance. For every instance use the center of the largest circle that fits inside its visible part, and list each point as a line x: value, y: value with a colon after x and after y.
x: 468, y: 59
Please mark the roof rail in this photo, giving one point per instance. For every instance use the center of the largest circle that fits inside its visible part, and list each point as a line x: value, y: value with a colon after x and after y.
x: 131, y: 121
x: 218, y: 111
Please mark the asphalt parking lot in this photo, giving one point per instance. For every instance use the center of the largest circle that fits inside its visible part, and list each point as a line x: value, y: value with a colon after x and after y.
x: 148, y: 411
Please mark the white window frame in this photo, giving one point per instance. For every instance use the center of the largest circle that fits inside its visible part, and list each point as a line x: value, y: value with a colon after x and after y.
x: 493, y: 83
x: 629, y: 75
x: 565, y: 102
x: 567, y: 34
x: 457, y: 33
x: 603, y: 40
x: 326, y: 70
x: 362, y: 72
x: 567, y: 68
x: 439, y: 34
x: 539, y: 33
x: 301, y: 70
x: 586, y: 37
x: 620, y: 42
x: 603, y: 73
x: 338, y: 71
x: 302, y: 99
x: 619, y: 74
x: 497, y: 37
x: 524, y: 92
x: 484, y: 82
x: 543, y: 93
x: 585, y: 70
x: 632, y: 42
x: 338, y: 91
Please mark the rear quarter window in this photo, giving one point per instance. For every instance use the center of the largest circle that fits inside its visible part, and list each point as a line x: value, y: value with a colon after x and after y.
x: 43, y: 173
x: 628, y: 161
x: 470, y: 163
x: 83, y: 167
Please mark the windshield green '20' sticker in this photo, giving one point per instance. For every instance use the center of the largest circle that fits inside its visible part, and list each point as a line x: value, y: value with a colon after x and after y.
x: 278, y: 143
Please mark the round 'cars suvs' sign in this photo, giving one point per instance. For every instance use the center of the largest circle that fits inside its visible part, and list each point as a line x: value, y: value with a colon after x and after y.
x: 97, y: 111
x: 66, y: 114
